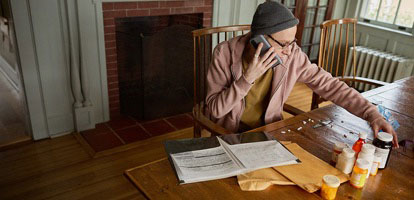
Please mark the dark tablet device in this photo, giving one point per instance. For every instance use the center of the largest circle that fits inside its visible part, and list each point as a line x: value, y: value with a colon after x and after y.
x: 256, y: 40
x: 254, y: 137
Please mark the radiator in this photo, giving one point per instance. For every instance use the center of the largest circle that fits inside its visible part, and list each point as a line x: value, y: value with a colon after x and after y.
x: 378, y: 65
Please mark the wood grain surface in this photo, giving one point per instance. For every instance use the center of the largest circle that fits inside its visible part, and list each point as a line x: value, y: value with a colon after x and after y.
x: 157, y: 180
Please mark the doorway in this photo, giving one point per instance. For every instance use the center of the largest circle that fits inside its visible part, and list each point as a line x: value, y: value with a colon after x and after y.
x: 14, y: 121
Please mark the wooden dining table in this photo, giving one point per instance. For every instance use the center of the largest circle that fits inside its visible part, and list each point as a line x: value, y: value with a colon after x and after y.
x: 157, y: 180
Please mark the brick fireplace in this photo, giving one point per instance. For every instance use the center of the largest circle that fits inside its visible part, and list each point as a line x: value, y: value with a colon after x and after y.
x: 113, y: 12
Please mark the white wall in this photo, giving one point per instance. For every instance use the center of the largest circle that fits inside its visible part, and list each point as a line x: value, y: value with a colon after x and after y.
x: 43, y: 41
x: 49, y: 33
x: 234, y: 12
x: 384, y: 39
x: 339, y: 9
x: 93, y: 55
x: 30, y: 69
x: 396, y: 42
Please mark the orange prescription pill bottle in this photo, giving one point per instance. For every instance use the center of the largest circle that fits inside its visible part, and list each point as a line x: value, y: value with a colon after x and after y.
x: 359, y: 174
x: 358, y: 144
x: 330, y: 184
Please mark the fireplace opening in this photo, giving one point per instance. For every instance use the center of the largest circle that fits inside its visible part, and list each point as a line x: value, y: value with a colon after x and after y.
x: 155, y: 64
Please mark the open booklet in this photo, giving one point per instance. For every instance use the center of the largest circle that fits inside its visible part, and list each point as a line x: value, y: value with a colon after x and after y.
x: 227, y: 160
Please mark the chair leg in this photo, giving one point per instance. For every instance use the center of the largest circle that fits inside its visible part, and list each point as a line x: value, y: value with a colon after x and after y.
x: 315, y: 101
x: 197, y: 130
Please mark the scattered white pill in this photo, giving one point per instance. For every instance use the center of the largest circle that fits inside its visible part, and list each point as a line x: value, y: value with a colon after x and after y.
x: 309, y: 119
x: 283, y: 132
x: 304, y: 122
x: 300, y: 128
x: 288, y: 130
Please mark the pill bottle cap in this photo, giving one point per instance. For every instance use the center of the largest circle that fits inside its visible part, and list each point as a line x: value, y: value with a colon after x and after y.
x: 331, y: 181
x: 363, y: 135
x: 386, y: 137
x: 368, y: 149
x: 348, y: 152
x: 339, y: 146
x: 362, y: 163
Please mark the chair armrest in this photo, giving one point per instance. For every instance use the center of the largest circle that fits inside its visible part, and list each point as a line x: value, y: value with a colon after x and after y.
x: 214, y: 128
x: 292, y: 110
x: 207, y: 124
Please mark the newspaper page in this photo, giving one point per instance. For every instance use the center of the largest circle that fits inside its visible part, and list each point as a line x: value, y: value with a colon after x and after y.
x: 264, y: 154
x: 206, y: 164
x: 229, y: 160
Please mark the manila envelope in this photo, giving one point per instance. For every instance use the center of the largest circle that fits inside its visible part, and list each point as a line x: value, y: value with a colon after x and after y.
x: 307, y: 175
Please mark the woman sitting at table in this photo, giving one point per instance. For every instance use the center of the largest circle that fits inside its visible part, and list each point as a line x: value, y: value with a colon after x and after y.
x: 245, y: 92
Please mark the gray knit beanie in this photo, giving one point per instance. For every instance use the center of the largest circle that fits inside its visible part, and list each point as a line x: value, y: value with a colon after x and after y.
x: 271, y: 17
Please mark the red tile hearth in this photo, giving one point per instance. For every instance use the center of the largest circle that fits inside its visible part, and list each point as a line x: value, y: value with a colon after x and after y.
x: 125, y: 130
x: 101, y: 138
x: 181, y: 121
x: 158, y: 127
x: 121, y: 123
x: 133, y: 134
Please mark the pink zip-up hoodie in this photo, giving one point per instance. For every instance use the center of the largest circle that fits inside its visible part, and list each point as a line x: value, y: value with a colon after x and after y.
x: 226, y: 87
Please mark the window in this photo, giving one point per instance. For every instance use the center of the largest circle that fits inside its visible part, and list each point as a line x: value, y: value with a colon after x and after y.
x: 395, y: 14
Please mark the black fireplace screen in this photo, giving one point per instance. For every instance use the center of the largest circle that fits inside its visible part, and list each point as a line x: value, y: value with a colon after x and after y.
x: 155, y: 64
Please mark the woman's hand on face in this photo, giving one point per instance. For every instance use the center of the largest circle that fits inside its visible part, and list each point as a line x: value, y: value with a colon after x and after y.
x: 259, y: 65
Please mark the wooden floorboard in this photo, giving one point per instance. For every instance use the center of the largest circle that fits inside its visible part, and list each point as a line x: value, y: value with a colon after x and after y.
x: 57, y: 181
x: 112, y: 188
x: 41, y: 161
x: 301, y: 98
x: 36, y: 148
x: 61, y: 168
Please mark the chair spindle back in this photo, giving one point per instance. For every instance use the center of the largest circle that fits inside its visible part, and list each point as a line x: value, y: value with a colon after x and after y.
x: 334, y: 46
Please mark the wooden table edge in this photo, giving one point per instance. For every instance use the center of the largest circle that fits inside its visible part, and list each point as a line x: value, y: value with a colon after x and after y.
x: 130, y: 177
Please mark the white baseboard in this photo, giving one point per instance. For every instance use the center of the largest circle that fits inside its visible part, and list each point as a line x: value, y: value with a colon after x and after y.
x: 84, y: 118
x: 60, y: 134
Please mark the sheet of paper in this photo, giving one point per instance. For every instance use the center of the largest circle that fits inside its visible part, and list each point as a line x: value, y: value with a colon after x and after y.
x: 207, y: 163
x: 262, y: 154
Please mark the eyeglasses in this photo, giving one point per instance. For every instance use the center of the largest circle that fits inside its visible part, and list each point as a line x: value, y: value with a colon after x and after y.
x: 282, y: 45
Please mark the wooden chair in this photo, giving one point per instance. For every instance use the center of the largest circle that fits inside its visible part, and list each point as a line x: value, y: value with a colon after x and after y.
x: 333, y: 54
x: 204, y: 39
